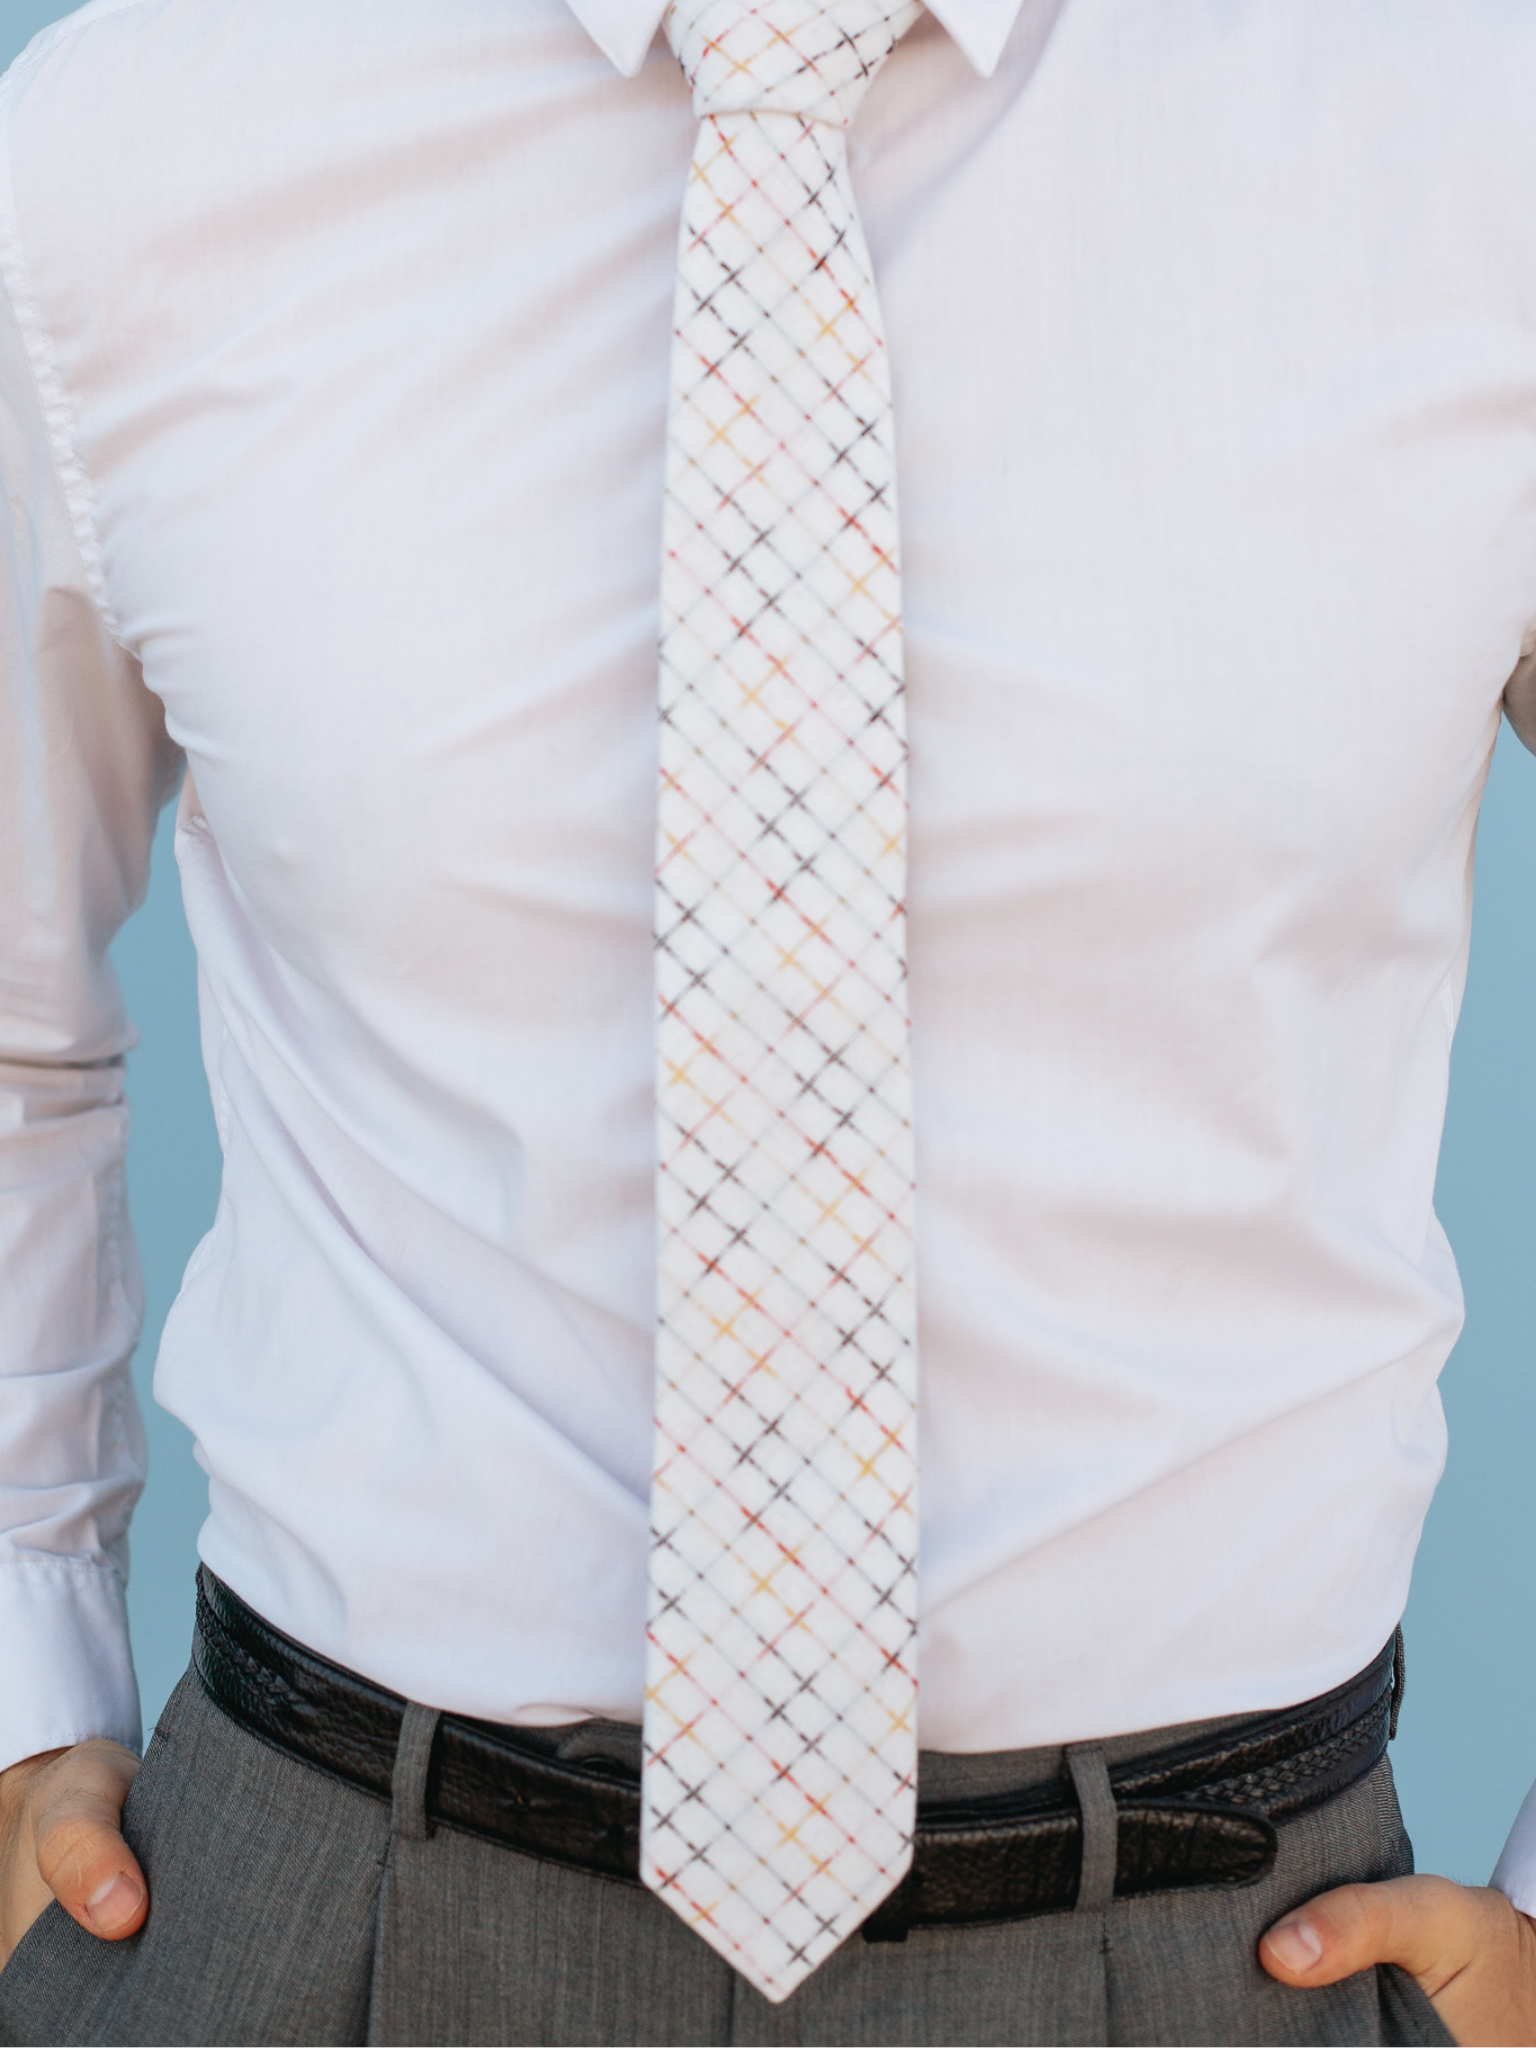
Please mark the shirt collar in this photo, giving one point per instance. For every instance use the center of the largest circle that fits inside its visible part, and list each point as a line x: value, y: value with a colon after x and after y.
x: 623, y: 29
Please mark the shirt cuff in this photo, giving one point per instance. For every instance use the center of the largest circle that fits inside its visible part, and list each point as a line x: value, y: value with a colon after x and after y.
x: 67, y: 1671
x: 1515, y: 1872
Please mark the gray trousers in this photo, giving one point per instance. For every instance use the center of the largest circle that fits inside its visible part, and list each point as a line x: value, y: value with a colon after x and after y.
x: 288, y: 1906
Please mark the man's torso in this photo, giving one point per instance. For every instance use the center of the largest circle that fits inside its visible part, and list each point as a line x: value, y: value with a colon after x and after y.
x: 1213, y: 340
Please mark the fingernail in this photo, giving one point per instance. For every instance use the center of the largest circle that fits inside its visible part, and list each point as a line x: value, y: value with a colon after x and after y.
x: 1296, y: 1943
x: 113, y: 1903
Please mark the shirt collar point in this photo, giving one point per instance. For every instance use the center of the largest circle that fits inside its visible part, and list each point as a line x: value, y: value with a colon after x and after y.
x: 980, y: 27
x: 623, y: 31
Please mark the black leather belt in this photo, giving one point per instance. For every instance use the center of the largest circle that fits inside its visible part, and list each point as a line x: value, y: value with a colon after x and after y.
x: 1199, y: 1813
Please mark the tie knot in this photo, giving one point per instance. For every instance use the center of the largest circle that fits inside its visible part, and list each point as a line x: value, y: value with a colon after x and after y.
x: 814, y: 58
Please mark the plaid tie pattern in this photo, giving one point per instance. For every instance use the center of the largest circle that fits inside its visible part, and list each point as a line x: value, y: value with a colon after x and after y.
x: 780, y: 1719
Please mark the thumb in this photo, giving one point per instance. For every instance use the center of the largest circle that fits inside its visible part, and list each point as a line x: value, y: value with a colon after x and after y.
x: 1426, y: 1925
x: 81, y: 1854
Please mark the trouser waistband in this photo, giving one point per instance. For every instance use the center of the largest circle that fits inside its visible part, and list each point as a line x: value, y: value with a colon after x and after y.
x: 1194, y: 1812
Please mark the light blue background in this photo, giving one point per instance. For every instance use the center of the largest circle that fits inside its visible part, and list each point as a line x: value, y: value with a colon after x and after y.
x: 1467, y: 1750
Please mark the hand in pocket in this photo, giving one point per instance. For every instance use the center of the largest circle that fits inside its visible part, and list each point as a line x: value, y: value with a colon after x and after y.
x: 61, y: 1838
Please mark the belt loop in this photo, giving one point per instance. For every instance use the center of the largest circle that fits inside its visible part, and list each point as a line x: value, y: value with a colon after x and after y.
x: 413, y: 1765
x: 1101, y: 1826
x: 1399, y: 1679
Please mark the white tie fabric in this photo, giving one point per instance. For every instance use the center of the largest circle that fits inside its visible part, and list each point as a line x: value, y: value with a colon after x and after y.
x: 780, y: 1720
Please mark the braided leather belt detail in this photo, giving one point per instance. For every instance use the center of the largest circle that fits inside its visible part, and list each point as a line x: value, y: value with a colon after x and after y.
x: 1196, y: 1814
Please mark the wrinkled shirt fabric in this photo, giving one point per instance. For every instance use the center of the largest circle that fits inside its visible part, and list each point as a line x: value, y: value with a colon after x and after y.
x: 333, y: 372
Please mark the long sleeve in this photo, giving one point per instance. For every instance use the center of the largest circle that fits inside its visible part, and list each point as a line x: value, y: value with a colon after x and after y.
x: 84, y: 766
x: 1515, y: 1874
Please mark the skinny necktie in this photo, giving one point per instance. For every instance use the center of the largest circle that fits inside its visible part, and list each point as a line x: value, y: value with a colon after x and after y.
x: 781, y: 1687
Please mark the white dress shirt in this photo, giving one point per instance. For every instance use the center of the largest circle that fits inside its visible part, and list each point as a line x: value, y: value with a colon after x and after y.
x: 333, y: 374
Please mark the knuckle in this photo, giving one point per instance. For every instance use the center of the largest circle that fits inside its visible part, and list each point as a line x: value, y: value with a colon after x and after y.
x: 1356, y: 1914
x: 1354, y: 1901
x: 67, y: 1847
x: 108, y: 1758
